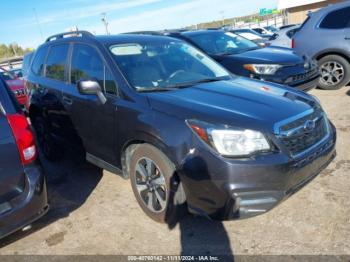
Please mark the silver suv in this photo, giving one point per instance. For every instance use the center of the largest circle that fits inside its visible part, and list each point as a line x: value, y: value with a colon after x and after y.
x: 325, y: 36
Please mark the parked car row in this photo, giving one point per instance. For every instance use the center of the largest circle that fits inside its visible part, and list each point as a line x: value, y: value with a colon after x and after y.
x: 205, y: 121
x: 324, y: 37
x: 17, y: 86
x: 245, y: 58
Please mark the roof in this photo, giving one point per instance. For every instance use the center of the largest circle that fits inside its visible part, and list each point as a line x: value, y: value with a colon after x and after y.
x: 200, y: 32
x: 109, y: 39
x: 285, y: 4
x: 131, y: 38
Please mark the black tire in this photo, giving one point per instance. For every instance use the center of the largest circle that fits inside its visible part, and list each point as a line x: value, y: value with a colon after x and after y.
x: 175, y: 206
x: 50, y: 148
x: 326, y: 77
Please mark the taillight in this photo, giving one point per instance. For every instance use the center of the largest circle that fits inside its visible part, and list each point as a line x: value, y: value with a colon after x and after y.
x: 24, y: 137
x: 293, y: 43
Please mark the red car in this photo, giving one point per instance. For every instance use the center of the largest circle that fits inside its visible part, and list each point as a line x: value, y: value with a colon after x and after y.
x: 17, y: 86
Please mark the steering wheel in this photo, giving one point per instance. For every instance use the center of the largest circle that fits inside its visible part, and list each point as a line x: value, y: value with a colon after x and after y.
x: 175, y: 73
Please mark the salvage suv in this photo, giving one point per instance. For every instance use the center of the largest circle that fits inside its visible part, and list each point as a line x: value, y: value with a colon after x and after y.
x: 185, y: 131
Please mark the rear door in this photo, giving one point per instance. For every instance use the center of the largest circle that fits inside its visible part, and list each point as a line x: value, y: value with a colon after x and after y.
x: 11, y: 169
x: 336, y: 25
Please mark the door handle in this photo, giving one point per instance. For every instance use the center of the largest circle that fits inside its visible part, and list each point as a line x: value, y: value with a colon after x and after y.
x: 347, y: 38
x: 67, y: 100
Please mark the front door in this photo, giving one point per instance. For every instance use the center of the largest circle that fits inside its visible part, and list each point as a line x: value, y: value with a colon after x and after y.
x: 95, y: 122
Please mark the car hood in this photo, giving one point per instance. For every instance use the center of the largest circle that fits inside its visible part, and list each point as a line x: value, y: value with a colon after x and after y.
x: 241, y: 102
x: 15, y: 84
x: 269, y: 55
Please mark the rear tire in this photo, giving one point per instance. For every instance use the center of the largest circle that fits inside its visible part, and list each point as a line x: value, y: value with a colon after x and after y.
x: 335, y: 72
x: 157, y: 189
x: 51, y: 149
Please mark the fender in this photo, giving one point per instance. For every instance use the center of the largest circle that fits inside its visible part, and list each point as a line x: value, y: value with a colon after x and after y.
x: 335, y: 51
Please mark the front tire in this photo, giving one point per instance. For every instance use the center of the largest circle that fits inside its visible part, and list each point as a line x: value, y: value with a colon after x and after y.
x: 157, y: 190
x: 335, y: 72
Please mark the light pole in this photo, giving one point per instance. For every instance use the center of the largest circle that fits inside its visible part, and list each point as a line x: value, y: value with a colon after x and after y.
x: 105, y: 22
x: 223, y: 17
x: 38, y: 23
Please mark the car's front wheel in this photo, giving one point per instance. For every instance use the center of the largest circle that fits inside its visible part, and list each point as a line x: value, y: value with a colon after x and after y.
x: 335, y: 72
x: 156, y: 188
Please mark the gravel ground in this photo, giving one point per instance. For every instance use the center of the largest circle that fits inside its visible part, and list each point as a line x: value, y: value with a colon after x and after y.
x: 95, y: 212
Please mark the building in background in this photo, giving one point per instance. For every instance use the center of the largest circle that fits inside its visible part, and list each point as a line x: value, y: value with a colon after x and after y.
x: 296, y: 10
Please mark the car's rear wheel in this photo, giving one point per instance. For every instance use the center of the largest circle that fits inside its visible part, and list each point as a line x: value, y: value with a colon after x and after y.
x: 155, y: 185
x: 51, y: 149
x: 335, y: 72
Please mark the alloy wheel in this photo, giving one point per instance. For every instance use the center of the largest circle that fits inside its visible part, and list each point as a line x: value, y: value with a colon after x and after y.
x: 332, y: 73
x: 151, y: 185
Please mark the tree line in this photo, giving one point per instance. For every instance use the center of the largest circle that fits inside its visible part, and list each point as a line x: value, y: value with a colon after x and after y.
x: 12, y: 50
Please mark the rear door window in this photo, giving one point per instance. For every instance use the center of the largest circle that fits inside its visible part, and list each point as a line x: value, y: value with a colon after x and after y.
x: 56, y: 62
x: 338, y: 19
x: 39, y: 61
x: 88, y: 64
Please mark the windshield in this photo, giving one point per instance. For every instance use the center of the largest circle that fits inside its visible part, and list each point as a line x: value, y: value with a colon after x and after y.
x: 218, y: 43
x: 271, y: 28
x: 163, y: 65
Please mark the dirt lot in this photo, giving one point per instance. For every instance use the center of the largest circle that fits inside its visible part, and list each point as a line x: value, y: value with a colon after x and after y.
x: 94, y: 212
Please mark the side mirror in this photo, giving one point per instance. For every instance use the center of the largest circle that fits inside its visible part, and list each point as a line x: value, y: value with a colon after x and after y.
x: 91, y: 87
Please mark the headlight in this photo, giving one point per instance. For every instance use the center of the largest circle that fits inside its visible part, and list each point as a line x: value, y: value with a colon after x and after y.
x: 262, y: 69
x: 230, y: 141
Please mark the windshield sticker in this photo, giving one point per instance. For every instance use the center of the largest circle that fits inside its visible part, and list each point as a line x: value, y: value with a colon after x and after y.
x: 126, y: 49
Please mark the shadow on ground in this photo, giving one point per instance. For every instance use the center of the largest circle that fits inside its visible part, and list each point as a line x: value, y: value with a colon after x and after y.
x: 69, y: 183
x: 199, y: 235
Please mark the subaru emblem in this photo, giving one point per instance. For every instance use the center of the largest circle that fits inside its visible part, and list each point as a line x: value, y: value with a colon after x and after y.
x: 309, y: 125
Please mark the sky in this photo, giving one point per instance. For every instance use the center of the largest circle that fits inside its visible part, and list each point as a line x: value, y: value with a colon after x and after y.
x: 29, y: 23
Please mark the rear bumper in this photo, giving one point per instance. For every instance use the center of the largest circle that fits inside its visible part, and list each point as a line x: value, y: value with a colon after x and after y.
x: 226, y: 189
x: 28, y: 206
x: 23, y: 101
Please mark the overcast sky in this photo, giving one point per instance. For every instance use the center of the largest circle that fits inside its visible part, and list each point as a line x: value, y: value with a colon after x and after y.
x: 19, y: 24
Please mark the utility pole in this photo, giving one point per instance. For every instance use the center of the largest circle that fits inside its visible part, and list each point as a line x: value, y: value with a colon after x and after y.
x: 223, y: 17
x: 13, y: 49
x: 105, y: 22
x: 38, y: 23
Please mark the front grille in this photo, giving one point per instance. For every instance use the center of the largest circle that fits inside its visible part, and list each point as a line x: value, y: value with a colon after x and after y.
x: 20, y: 92
x: 303, y: 76
x: 301, y: 134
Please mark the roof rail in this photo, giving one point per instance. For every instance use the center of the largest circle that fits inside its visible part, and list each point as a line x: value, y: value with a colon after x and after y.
x: 144, y: 33
x: 69, y: 34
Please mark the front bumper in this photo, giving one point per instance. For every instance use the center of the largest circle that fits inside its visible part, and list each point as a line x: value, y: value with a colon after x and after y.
x: 294, y: 78
x: 307, y: 85
x: 225, y: 189
x: 30, y: 205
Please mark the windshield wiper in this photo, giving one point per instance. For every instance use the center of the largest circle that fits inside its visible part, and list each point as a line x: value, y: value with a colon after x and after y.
x: 154, y: 89
x: 205, y: 80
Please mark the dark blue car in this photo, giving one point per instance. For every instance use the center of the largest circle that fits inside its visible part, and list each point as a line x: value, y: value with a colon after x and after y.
x: 245, y: 58
x: 23, y: 196
x: 186, y: 132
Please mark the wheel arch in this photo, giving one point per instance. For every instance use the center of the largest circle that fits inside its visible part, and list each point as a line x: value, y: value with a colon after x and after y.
x: 142, y: 138
x: 333, y: 52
